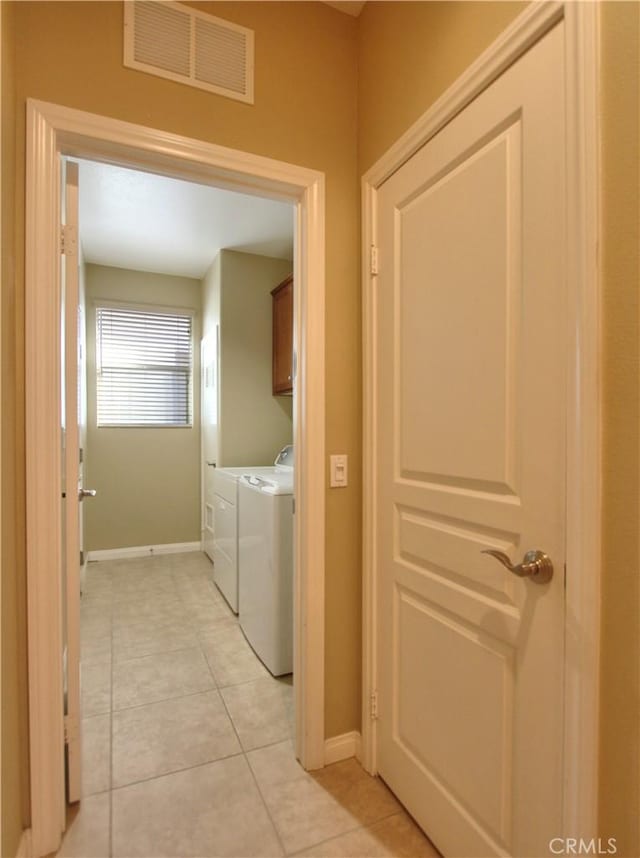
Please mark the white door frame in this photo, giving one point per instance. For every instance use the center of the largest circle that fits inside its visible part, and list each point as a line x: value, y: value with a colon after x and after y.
x: 53, y: 131
x: 583, y: 523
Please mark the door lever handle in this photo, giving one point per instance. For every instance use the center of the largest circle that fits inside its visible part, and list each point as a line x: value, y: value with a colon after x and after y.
x: 536, y: 565
x: 86, y: 493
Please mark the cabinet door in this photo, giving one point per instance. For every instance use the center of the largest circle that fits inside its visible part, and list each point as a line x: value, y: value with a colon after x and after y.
x: 283, y: 337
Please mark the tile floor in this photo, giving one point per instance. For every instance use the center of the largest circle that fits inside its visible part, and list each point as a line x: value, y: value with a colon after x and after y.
x: 187, y: 742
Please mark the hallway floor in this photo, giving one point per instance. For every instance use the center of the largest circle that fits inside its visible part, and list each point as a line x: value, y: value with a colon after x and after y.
x: 187, y: 738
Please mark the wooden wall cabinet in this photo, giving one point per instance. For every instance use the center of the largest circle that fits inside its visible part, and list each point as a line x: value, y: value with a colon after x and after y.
x: 283, y: 338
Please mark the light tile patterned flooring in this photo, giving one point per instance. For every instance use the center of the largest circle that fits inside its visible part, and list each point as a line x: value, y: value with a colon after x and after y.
x: 187, y: 744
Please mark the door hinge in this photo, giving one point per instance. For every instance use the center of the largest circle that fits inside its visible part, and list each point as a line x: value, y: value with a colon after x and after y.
x: 71, y: 731
x: 373, y: 705
x: 80, y: 455
x: 68, y: 240
x: 82, y: 558
x: 374, y: 259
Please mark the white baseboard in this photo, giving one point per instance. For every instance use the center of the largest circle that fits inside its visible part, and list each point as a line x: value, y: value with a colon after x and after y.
x: 24, y: 847
x: 342, y: 747
x: 143, y: 551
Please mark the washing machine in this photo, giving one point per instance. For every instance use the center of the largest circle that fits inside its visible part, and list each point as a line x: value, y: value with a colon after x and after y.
x: 265, y: 562
x: 225, y: 514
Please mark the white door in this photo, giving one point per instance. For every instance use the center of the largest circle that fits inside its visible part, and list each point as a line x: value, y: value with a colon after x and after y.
x: 209, y: 434
x: 82, y: 403
x: 470, y: 387
x: 71, y: 480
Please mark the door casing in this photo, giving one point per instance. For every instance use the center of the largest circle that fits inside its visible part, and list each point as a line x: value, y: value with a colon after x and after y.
x: 583, y: 502
x: 54, y: 131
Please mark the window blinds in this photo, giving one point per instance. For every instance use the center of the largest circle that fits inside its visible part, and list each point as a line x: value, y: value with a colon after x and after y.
x: 144, y: 367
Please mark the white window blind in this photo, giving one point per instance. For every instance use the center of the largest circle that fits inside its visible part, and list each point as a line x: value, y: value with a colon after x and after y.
x: 144, y: 367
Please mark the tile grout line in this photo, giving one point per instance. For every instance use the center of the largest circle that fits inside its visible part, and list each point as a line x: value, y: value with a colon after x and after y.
x: 266, y: 807
x: 400, y: 812
x: 109, y: 605
x: 242, y: 752
x: 248, y: 765
x: 255, y: 780
x: 172, y: 697
x: 111, y: 737
x: 239, y: 753
x: 153, y: 654
x: 264, y: 802
x: 169, y: 774
x: 164, y: 700
x: 342, y: 833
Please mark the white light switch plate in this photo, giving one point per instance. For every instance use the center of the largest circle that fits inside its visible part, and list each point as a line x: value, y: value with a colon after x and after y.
x: 339, y: 471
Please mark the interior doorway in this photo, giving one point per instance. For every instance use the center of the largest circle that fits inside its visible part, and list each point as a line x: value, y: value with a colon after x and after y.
x: 163, y: 267
x: 55, y: 132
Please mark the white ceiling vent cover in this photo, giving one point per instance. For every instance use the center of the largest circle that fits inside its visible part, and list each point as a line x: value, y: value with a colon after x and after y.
x: 183, y: 44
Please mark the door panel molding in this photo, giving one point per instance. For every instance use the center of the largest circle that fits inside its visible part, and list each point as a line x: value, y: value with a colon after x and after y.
x: 54, y: 131
x: 485, y: 761
x: 583, y: 403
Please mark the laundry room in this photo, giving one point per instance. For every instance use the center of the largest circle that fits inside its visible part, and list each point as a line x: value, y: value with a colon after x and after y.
x: 185, y: 441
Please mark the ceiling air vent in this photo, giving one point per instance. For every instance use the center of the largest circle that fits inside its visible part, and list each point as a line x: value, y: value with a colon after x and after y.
x: 189, y: 46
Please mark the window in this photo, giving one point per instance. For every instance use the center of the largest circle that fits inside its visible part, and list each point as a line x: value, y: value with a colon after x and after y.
x: 144, y: 366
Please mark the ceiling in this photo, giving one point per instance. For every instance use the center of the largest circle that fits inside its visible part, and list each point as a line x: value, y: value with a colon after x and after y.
x: 131, y: 219
x: 351, y: 7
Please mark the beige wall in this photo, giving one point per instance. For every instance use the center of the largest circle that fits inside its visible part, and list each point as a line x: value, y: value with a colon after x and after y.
x: 620, y: 700
x: 148, y: 480
x: 236, y: 295
x: 211, y: 297
x: 15, y: 754
x: 254, y: 424
x: 304, y: 113
x: 408, y: 54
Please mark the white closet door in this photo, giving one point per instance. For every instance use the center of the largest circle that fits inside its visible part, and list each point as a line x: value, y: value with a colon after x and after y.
x: 471, y: 456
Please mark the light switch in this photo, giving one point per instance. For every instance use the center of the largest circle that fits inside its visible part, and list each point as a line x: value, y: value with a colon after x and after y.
x: 339, y: 471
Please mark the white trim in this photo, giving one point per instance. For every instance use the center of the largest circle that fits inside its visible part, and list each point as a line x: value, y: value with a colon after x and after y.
x: 584, y: 431
x: 53, y: 131
x: 24, y: 847
x: 527, y: 28
x: 309, y: 427
x: 43, y: 470
x: 1, y: 352
x: 142, y: 551
x: 584, y: 387
x: 342, y: 747
x: 369, y: 482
